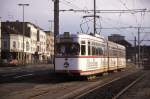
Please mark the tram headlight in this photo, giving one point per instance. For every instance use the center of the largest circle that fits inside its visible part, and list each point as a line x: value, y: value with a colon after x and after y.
x: 66, y: 64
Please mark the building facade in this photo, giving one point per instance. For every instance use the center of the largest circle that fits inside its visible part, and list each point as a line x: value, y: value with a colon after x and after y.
x: 29, y: 47
x: 116, y: 37
x: 50, y: 46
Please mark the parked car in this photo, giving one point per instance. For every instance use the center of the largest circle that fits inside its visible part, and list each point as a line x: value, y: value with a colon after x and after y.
x: 13, y: 62
x: 9, y: 62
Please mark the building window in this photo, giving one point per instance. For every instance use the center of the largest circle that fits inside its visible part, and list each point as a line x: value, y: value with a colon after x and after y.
x: 18, y: 44
x: 27, y: 46
x: 14, y: 44
x: 38, y: 48
x: 5, y: 44
x: 38, y: 35
x: 22, y: 45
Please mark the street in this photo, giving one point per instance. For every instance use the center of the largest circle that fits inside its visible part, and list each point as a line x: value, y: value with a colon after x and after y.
x: 41, y: 82
x: 10, y: 74
x: 21, y: 78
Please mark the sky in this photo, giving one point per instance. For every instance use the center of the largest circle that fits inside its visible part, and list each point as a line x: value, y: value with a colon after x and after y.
x: 40, y: 12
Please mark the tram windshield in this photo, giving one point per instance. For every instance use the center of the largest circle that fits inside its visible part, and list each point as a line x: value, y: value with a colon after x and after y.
x: 63, y: 49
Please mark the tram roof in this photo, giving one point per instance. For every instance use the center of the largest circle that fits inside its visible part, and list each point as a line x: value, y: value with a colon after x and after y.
x: 82, y: 35
x: 90, y: 36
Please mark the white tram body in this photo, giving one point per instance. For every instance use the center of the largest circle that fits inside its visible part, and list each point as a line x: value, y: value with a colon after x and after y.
x: 85, y: 54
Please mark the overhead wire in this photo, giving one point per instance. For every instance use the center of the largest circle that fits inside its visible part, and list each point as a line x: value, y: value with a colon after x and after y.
x: 109, y: 23
x: 124, y: 4
x: 86, y: 22
x: 116, y: 28
x: 132, y: 13
x: 69, y: 3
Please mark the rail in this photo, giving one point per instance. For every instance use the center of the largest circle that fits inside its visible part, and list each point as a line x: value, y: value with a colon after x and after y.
x: 112, y: 89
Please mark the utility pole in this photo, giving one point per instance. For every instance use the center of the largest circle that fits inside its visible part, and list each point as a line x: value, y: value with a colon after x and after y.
x: 135, y: 50
x: 23, y: 29
x: 56, y: 25
x: 56, y: 17
x: 94, y: 17
x: 139, y: 52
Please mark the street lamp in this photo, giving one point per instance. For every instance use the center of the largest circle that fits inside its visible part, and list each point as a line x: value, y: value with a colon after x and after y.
x: 23, y: 29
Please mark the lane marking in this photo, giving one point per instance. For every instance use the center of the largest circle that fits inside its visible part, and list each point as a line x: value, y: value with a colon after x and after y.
x: 16, y: 69
x: 22, y: 76
x: 8, y: 75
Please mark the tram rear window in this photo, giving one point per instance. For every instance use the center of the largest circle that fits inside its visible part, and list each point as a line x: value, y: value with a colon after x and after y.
x: 67, y: 49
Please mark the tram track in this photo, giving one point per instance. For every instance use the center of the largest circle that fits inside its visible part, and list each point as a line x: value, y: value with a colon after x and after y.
x: 129, y: 86
x: 112, y: 89
x: 82, y: 89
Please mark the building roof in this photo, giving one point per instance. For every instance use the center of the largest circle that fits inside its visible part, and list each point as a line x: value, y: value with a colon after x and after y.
x: 16, y: 27
x: 123, y: 42
x: 117, y: 38
x: 49, y: 33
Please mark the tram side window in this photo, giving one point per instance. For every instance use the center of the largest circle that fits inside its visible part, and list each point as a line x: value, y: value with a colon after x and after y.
x: 83, y: 51
x: 93, y: 50
x: 110, y: 51
x: 122, y: 54
x: 97, y: 51
x: 115, y: 53
x: 100, y: 51
x: 105, y: 51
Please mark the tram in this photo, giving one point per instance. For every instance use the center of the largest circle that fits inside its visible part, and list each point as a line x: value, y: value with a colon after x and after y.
x: 87, y: 54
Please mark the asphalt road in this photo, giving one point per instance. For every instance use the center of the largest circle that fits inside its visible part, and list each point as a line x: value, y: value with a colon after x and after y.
x: 14, y: 79
x: 13, y: 74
